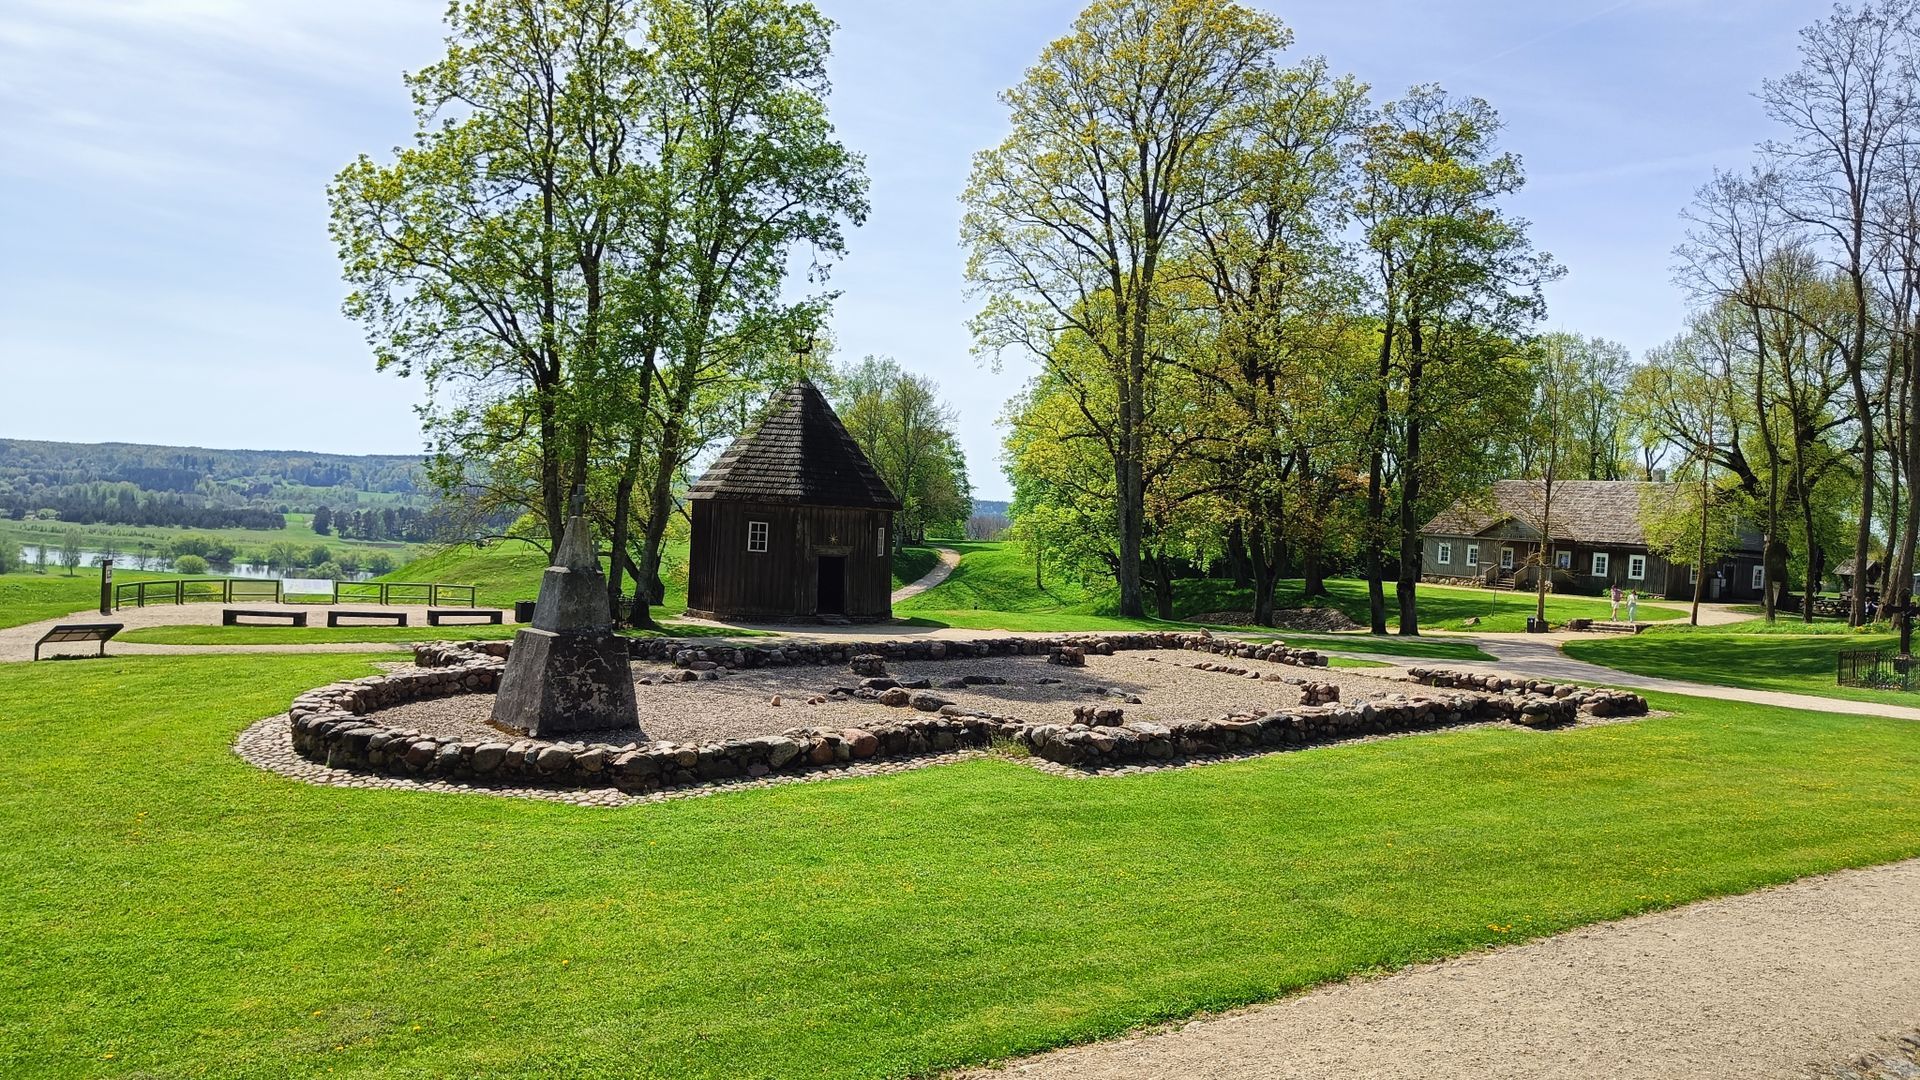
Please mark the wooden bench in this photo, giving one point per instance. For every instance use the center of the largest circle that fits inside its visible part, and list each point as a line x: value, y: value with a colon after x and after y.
x: 71, y: 632
x: 439, y: 616
x: 232, y: 616
x: 398, y: 618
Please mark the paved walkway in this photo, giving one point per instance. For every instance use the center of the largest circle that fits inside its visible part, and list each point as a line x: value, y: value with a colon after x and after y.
x: 1769, y: 984
x: 949, y: 559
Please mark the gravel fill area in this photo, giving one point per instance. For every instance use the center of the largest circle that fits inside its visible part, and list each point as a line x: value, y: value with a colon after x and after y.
x: 739, y: 704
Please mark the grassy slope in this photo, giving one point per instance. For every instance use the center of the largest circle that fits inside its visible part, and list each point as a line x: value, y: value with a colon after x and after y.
x: 510, y: 570
x: 168, y: 910
x: 1741, y: 656
x: 910, y: 564
x: 993, y: 588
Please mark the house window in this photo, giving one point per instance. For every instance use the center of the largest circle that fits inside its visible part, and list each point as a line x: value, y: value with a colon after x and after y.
x: 1637, y: 567
x: 1473, y: 554
x: 1443, y: 554
x: 880, y: 541
x: 756, y: 536
x: 1693, y: 575
x: 1600, y: 564
x: 1759, y: 576
x: 1563, y: 560
x: 1506, y: 558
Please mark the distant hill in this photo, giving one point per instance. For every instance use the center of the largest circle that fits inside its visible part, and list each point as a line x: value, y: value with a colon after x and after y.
x: 140, y: 484
x: 990, y: 506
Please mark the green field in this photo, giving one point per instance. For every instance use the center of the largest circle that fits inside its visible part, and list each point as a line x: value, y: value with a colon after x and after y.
x: 993, y: 588
x: 1742, y: 655
x: 168, y: 910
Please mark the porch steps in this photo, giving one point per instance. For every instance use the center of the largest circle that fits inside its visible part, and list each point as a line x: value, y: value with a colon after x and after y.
x: 1602, y: 626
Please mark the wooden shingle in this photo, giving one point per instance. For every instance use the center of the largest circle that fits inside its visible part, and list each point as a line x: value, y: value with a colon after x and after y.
x: 802, y: 454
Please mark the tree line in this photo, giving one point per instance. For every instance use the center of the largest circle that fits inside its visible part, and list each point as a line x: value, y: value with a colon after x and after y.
x: 1791, y: 398
x: 1271, y: 315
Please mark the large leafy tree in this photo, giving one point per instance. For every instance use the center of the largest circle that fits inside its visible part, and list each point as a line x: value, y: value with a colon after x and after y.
x: 1455, y: 283
x: 1071, y: 222
x: 907, y: 431
x: 585, y: 252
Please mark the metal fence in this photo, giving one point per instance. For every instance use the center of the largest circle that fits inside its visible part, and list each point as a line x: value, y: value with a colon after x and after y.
x: 268, y: 590
x: 195, y: 591
x: 1877, y: 669
x: 403, y: 592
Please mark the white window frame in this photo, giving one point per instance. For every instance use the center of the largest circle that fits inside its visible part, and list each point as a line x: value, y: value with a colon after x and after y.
x: 1602, y: 564
x: 1636, y: 568
x: 1759, y: 575
x: 1693, y: 575
x: 757, y: 536
x: 1506, y: 558
x: 880, y: 537
x: 1443, y: 553
x: 1473, y: 554
x: 1563, y: 559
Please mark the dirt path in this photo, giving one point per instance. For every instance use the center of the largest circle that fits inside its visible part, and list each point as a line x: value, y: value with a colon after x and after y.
x: 1776, y: 983
x: 949, y: 559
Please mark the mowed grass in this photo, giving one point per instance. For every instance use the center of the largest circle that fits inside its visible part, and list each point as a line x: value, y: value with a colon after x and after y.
x: 30, y: 597
x: 168, y: 910
x: 994, y: 588
x: 1738, y: 656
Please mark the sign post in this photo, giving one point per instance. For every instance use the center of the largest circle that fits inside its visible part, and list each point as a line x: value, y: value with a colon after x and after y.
x: 106, y: 586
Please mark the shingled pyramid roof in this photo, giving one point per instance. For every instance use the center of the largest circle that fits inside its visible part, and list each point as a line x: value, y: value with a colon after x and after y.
x: 801, y: 453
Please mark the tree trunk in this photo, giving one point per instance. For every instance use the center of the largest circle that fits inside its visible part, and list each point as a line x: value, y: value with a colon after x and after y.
x: 1237, y: 556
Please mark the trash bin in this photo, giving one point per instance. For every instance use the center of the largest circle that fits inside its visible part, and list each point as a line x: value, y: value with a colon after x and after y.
x: 1536, y: 625
x: 523, y: 610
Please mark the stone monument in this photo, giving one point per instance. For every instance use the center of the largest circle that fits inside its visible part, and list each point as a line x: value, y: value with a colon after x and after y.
x: 569, y: 671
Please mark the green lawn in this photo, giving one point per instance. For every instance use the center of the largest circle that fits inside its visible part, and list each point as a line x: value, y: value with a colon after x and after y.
x: 993, y: 588
x: 30, y: 597
x: 1736, y: 656
x: 167, y: 910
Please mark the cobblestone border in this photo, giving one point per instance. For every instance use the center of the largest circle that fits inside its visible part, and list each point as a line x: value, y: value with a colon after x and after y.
x: 268, y: 744
x: 329, y: 727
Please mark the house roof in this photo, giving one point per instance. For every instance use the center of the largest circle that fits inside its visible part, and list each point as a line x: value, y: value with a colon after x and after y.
x: 800, y: 453
x: 1603, y: 513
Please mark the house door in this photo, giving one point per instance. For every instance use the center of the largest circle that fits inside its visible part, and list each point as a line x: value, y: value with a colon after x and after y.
x: 831, y: 599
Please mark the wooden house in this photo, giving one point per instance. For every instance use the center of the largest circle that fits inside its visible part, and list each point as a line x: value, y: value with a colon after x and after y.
x: 1598, y: 541
x: 792, y: 522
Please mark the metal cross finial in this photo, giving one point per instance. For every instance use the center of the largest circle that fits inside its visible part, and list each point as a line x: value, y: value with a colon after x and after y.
x: 579, y: 505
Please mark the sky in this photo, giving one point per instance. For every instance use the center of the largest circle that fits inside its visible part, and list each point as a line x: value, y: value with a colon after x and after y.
x: 166, y: 275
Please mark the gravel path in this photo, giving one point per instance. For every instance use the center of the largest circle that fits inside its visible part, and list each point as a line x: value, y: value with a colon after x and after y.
x: 740, y: 704
x: 1787, y: 982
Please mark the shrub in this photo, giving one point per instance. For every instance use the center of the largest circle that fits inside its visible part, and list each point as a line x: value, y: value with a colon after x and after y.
x: 380, y: 563
x: 189, y: 564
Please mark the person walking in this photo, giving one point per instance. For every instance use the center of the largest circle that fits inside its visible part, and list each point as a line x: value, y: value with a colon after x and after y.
x: 1614, y: 595
x: 1633, y: 605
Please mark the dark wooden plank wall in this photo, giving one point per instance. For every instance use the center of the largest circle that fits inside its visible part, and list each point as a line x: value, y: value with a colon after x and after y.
x: 728, y: 581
